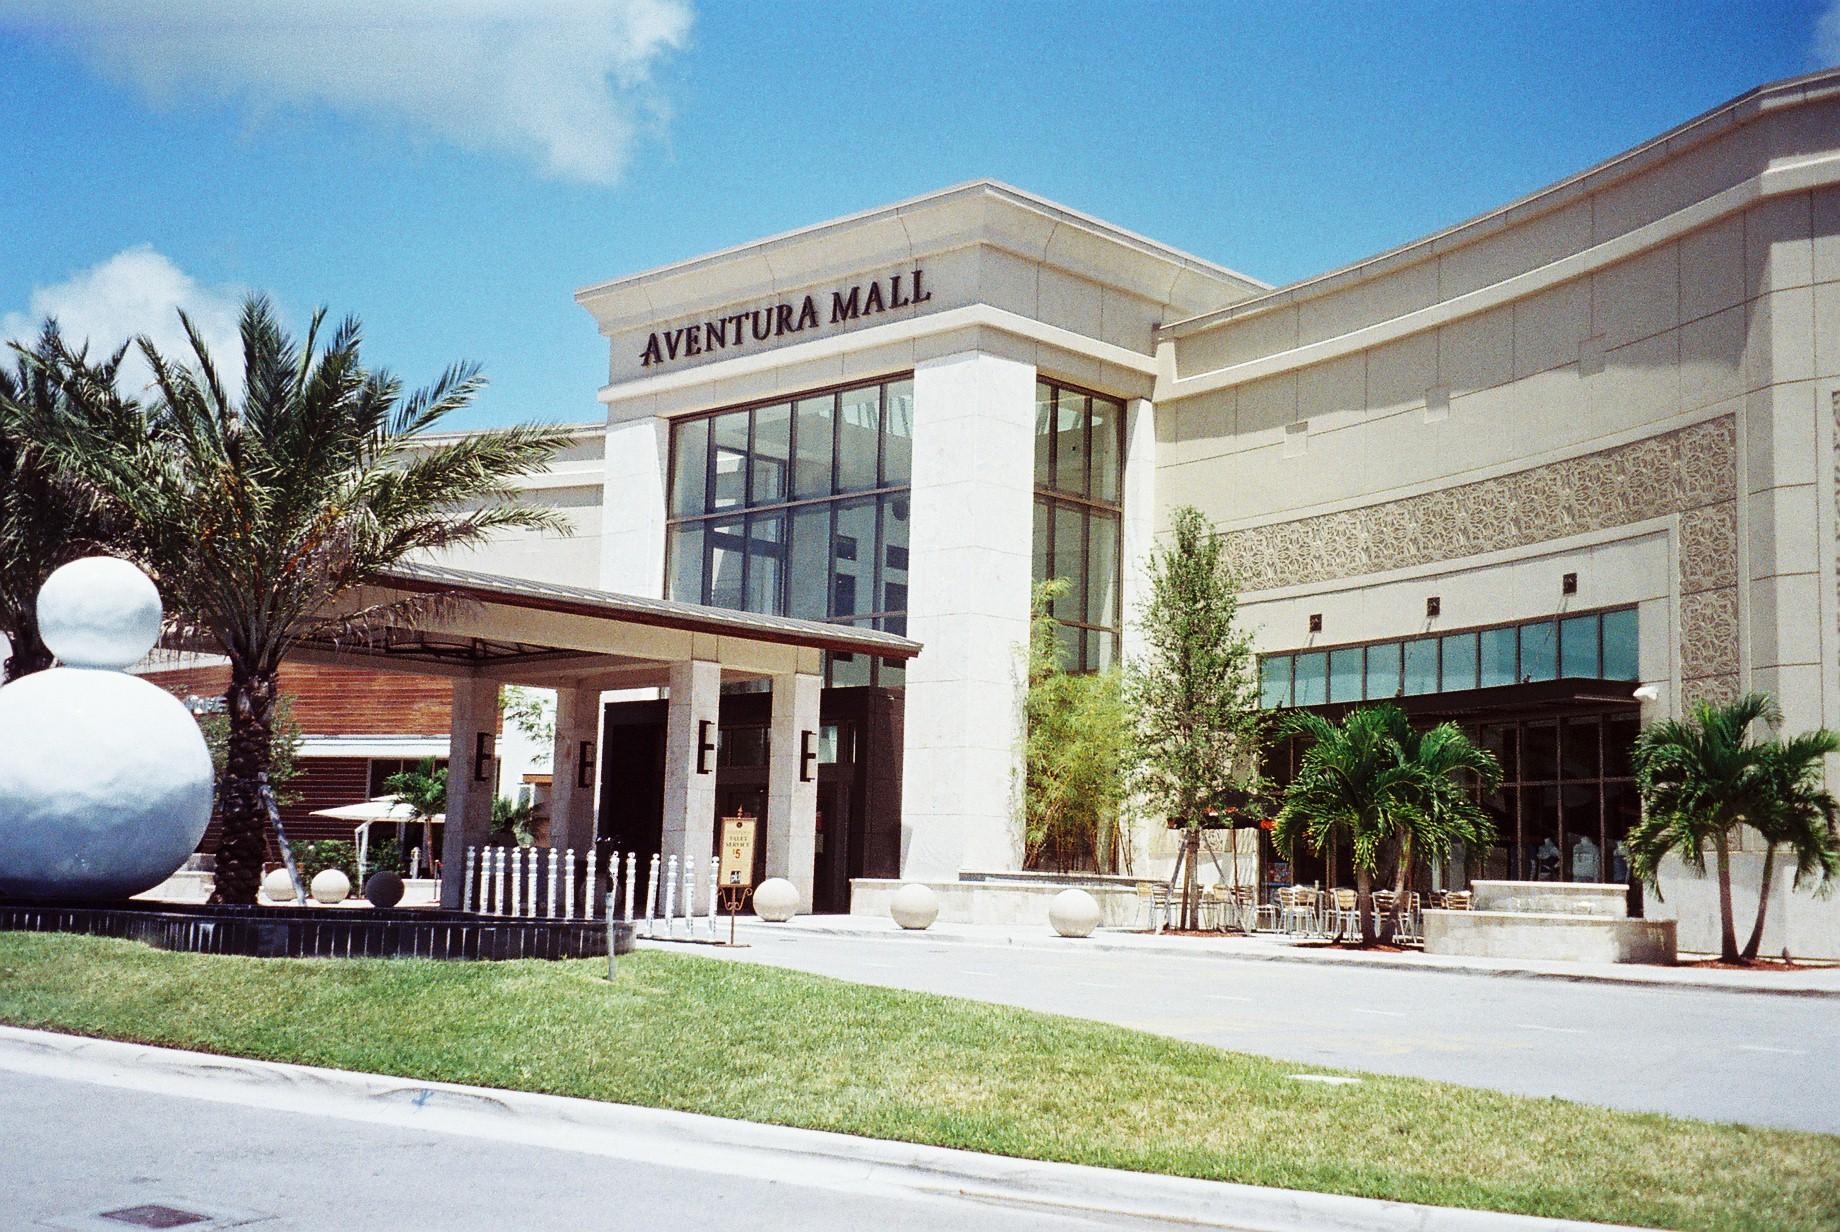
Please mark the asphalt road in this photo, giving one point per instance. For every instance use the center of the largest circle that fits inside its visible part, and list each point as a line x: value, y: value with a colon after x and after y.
x: 76, y: 1150
x: 1721, y: 1056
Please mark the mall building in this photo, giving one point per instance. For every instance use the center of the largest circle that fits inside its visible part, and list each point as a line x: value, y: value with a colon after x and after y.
x: 1553, y: 472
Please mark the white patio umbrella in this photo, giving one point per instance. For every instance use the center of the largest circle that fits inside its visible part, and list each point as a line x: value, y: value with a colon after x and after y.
x: 368, y: 814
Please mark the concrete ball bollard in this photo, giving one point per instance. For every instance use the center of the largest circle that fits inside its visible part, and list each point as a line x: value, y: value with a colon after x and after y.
x: 277, y: 886
x: 329, y: 886
x: 383, y: 889
x: 776, y: 900
x: 1074, y: 913
x: 914, y: 906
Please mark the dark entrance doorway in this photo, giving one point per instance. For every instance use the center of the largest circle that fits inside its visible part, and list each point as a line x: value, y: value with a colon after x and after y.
x: 859, y: 782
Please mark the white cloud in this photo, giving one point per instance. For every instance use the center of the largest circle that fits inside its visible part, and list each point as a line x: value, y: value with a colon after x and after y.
x: 1827, y: 35
x: 137, y: 291
x: 568, y: 82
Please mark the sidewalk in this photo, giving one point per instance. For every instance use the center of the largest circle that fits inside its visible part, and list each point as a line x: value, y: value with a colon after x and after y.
x: 725, y: 1148
x: 1815, y: 982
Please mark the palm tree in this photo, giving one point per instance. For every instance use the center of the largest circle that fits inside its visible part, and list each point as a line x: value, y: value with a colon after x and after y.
x: 1703, y: 777
x: 1801, y: 817
x: 423, y: 789
x: 1381, y: 786
x: 1699, y: 779
x: 46, y: 520
x: 258, y: 510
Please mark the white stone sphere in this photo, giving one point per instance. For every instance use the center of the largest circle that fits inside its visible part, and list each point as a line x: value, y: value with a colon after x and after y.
x: 99, y: 612
x: 329, y: 886
x: 1074, y: 913
x: 776, y: 900
x: 277, y: 886
x: 914, y: 906
x: 105, y: 785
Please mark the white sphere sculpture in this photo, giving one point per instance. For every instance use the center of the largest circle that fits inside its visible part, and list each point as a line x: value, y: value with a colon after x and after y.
x: 914, y: 906
x: 105, y: 781
x: 776, y: 900
x: 329, y: 886
x: 1074, y: 913
x: 277, y: 886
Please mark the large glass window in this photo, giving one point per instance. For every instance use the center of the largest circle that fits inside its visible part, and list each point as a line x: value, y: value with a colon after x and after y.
x: 799, y: 507
x: 1079, y: 463
x: 1589, y: 646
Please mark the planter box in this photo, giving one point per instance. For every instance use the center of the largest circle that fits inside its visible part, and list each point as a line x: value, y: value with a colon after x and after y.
x: 1564, y: 938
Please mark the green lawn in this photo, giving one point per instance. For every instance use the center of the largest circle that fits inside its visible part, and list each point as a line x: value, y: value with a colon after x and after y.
x: 737, y: 1040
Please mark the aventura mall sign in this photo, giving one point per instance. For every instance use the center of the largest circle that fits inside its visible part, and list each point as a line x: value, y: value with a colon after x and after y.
x: 786, y: 317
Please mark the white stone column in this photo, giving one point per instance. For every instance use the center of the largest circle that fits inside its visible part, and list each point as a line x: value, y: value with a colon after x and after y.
x: 968, y: 603
x: 690, y: 760
x: 469, y: 797
x: 633, y: 506
x: 571, y: 802
x: 1138, y: 540
x: 792, y: 782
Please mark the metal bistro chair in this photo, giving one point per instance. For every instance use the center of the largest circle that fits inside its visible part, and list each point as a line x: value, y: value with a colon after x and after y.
x: 1155, y: 904
x: 1297, y: 910
x: 1344, y: 912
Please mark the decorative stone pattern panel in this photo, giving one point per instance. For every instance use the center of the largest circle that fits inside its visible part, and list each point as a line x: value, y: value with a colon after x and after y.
x: 1691, y: 472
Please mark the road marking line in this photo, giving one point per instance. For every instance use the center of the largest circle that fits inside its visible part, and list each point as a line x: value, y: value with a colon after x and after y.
x: 1090, y: 984
x: 969, y: 971
x: 1534, y: 1026
x: 1226, y: 996
x: 1787, y: 1052
x: 1384, y: 1013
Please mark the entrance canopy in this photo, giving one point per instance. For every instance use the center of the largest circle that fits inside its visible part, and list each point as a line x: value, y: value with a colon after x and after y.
x: 547, y: 635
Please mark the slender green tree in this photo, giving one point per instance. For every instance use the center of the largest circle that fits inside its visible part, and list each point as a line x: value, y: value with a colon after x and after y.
x: 258, y: 510
x: 1194, y: 692
x: 1704, y: 776
x: 1384, y: 788
x: 47, y: 517
x: 423, y: 789
x: 1077, y: 747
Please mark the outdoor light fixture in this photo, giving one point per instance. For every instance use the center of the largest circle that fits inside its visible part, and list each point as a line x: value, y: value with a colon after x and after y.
x: 485, y: 750
x: 1568, y: 585
x: 584, y: 764
x: 1434, y: 606
x: 1315, y: 622
x: 1647, y: 693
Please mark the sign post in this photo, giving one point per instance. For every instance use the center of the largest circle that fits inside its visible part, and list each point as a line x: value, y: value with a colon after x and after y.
x: 735, y: 870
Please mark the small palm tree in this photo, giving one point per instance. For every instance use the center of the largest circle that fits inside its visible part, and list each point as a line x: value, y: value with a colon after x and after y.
x: 257, y: 511
x: 423, y: 789
x: 519, y: 818
x: 46, y: 520
x: 1374, y: 782
x: 1703, y: 777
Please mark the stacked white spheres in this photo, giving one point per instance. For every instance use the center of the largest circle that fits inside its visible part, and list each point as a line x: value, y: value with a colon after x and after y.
x: 105, y: 780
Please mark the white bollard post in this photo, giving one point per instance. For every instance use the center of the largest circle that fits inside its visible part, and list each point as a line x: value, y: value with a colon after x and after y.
x: 689, y: 897
x: 651, y: 895
x: 516, y: 857
x: 415, y: 862
x: 670, y: 897
x: 587, y: 893
x: 472, y: 863
x: 715, y: 871
x: 498, y: 899
x: 568, y: 897
x: 632, y: 861
x: 530, y: 899
x: 555, y: 872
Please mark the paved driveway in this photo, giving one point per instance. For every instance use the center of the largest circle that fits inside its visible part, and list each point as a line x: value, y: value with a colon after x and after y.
x: 1714, y: 1055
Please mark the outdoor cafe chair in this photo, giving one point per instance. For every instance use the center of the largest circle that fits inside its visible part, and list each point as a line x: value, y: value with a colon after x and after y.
x: 1297, y: 909
x: 1344, y: 912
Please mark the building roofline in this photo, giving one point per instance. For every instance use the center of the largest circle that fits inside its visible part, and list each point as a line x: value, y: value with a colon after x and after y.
x: 991, y: 187
x: 1731, y: 114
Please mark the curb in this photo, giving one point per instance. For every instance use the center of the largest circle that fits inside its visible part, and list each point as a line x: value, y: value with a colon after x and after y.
x: 712, y: 1144
x: 1370, y: 963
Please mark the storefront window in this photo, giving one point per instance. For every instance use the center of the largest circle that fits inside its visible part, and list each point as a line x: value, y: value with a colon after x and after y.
x: 760, y: 519
x: 1079, y: 460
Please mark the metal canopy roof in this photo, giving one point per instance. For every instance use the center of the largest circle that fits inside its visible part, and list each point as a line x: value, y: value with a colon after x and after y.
x: 634, y: 609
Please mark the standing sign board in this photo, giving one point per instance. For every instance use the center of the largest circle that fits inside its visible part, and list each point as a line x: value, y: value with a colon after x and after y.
x: 735, y: 866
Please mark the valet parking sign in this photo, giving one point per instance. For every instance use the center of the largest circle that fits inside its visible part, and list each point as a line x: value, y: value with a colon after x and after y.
x: 737, y: 867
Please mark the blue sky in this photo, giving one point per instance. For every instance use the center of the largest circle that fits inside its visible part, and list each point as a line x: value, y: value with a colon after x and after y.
x: 453, y: 179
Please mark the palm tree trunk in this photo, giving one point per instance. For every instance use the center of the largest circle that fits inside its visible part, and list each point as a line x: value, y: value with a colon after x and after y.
x: 29, y: 653
x: 1364, y: 903
x: 243, y: 844
x: 1190, y: 849
x: 1728, y: 937
x: 427, y: 868
x: 1763, y: 902
x: 1391, y: 927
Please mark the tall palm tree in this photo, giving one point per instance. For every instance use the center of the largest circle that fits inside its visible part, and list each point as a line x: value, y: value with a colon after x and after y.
x: 1373, y: 781
x: 46, y: 520
x: 1801, y: 817
x: 258, y: 510
x: 1701, y: 778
